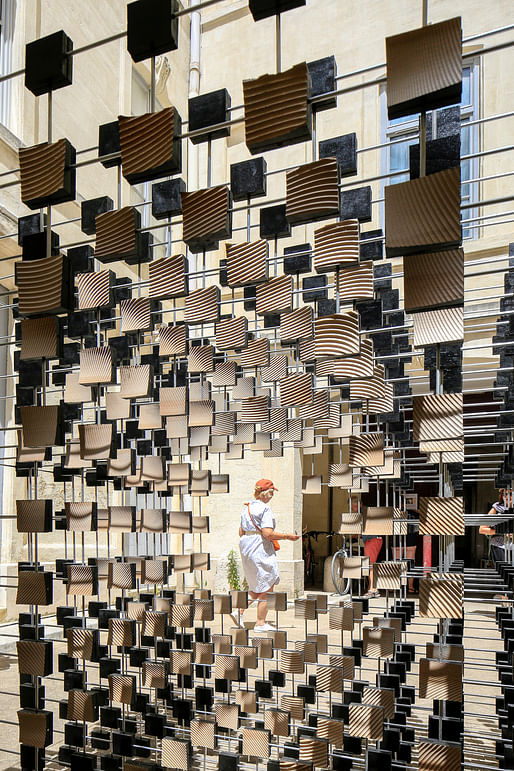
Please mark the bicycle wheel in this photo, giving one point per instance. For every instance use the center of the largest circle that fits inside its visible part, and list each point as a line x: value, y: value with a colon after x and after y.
x: 341, y: 584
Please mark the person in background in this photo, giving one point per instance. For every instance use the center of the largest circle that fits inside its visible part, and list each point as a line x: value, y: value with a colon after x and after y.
x: 497, y: 541
x: 411, y: 541
x: 258, y: 545
x: 372, y: 547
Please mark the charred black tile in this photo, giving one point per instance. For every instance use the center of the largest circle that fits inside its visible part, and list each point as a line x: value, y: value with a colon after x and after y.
x: 109, y: 142
x: 48, y: 63
x: 441, y: 154
x: 261, y: 9
x: 166, y: 199
x: 273, y: 222
x: 298, y: 259
x: 323, y: 82
x: 356, y: 204
x: 89, y: 210
x: 152, y: 28
x: 344, y: 148
x: 314, y: 288
x: 208, y: 110
x: 248, y: 179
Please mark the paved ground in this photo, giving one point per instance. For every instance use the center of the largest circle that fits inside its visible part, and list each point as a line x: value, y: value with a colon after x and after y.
x: 480, y: 688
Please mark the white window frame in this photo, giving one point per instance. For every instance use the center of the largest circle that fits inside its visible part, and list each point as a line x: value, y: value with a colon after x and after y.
x: 6, y: 40
x: 407, y: 130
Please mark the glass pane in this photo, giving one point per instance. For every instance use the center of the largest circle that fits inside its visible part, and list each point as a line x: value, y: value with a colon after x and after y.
x: 399, y: 159
x: 405, y: 119
x: 466, y: 86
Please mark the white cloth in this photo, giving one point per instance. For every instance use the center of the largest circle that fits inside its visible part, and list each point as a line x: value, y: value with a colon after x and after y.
x: 260, y: 564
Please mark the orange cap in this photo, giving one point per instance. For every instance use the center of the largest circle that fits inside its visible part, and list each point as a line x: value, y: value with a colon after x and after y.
x: 266, y: 484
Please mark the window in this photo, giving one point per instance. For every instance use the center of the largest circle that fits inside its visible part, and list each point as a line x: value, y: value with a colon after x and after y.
x: 6, y: 37
x: 401, y: 133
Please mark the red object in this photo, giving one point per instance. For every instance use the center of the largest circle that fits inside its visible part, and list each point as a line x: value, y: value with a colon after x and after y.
x: 266, y: 484
x: 427, y: 551
x: 372, y: 548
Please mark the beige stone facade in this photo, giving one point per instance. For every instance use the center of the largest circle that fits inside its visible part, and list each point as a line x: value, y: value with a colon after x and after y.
x: 233, y: 48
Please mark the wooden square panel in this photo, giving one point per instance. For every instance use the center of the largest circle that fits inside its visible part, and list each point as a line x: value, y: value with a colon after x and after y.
x: 441, y: 596
x: 277, y: 110
x: 206, y: 217
x: 433, y: 280
x: 441, y: 325
x: 40, y: 338
x: 173, y: 340
x: 94, y: 290
x: 424, y: 68
x: 247, y: 263
x: 366, y: 721
x: 117, y: 236
x: 168, y: 277
x: 337, y: 335
x: 135, y: 315
x: 336, y: 245
x: 202, y: 306
x: 231, y: 333
x: 296, y: 390
x: 440, y: 680
x: 47, y: 173
x: 441, y: 516
x: 436, y: 756
x: 96, y: 366
x: 150, y: 145
x: 312, y: 191
x: 44, y: 286
x: 423, y: 215
x: 275, y: 296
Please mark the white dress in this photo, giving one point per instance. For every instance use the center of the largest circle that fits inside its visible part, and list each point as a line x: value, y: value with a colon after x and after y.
x: 260, y: 564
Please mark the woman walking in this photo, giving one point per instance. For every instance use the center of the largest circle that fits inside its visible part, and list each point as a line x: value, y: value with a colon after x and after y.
x: 258, y: 544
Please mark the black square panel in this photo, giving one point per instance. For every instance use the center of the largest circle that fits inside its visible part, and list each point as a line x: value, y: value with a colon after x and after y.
x: 344, y: 148
x: 208, y: 110
x: 261, y: 9
x: 248, y: 179
x: 48, y: 64
x: 152, y: 28
x: 356, y: 204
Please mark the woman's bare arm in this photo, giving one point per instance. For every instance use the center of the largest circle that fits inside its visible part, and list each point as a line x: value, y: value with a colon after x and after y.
x: 241, y: 531
x: 271, y: 535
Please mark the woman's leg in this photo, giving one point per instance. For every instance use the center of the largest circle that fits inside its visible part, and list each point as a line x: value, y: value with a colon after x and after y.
x: 262, y: 605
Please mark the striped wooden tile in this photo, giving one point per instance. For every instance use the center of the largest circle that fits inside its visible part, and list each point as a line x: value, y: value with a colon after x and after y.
x: 341, y: 618
x: 247, y: 263
x: 35, y: 728
x: 336, y: 246
x: 366, y: 450
x: 40, y: 338
x: 206, y: 217
x: 202, y: 306
x: 200, y: 358
x: 378, y: 642
x: 46, y: 175
x: 275, y: 296
x: 442, y: 325
x: 423, y: 215
x: 122, y: 519
x: 331, y: 730
x: 173, y: 340
x: 224, y: 424
x: 293, y: 431
x: 275, y: 370
x: 277, y: 111
x: 444, y: 651
x: 294, y: 705
x: 337, y: 335
x: 34, y: 516
x: 80, y: 643
x: 380, y: 697
x: 345, y: 663
x: 43, y: 286
x: 121, y: 632
x: 371, y: 388
x: 255, y: 409
x: 176, y: 753
x: 312, y: 191
x: 203, y: 734
x: 135, y: 315
x: 329, y: 678
x: 441, y: 516
x: 296, y: 325
x: 201, y: 413
x: 94, y: 290
x: 231, y: 333
x: 135, y: 381
x: 256, y: 742
x: 388, y: 575
x: 349, y: 367
x: 339, y: 475
x: 440, y: 680
x: 314, y: 751
x: 437, y: 416
x: 149, y: 417
x: 150, y: 145
x: 436, y: 756
x: 96, y: 366
x: 351, y: 523
x: 34, y: 658
x: 441, y: 596
x: 154, y: 674
x: 296, y: 390
x: 227, y: 715
x: 168, y: 277
x: 245, y: 387
x: 366, y: 721
x: 74, y: 393
x: 433, y: 280
x: 81, y: 705
x: 224, y: 374
x: 355, y: 283
x: 319, y: 409
x: 424, y: 68
x: 256, y: 353
x: 378, y: 520
x: 82, y: 580
x: 291, y: 662
x: 117, y: 234
x: 276, y: 721
x: 277, y: 420
x: 80, y: 516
